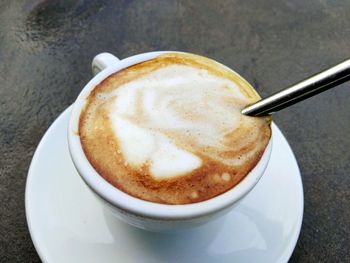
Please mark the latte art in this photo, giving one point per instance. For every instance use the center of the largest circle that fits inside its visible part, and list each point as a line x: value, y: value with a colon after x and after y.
x: 173, y: 114
x: 170, y: 130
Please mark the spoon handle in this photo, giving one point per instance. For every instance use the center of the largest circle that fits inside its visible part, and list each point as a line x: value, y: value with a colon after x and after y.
x: 307, y: 88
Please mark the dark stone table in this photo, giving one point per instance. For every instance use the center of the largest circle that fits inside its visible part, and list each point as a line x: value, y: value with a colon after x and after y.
x: 46, y: 49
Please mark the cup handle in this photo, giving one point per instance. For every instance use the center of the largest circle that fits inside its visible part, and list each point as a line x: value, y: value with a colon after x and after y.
x: 102, y: 61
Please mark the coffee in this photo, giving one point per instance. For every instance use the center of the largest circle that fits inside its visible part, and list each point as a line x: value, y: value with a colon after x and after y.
x: 170, y: 130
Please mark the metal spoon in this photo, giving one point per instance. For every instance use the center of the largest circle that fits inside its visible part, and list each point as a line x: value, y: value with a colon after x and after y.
x: 307, y: 88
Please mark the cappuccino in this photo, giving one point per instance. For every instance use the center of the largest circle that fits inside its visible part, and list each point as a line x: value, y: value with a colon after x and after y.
x: 170, y: 130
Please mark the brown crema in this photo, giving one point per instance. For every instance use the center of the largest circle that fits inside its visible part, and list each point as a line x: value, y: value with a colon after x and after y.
x: 170, y: 130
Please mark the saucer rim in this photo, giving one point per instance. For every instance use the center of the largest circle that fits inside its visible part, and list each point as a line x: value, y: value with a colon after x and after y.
x: 44, y: 255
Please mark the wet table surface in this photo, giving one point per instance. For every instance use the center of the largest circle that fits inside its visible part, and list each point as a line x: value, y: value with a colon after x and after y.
x: 46, y: 49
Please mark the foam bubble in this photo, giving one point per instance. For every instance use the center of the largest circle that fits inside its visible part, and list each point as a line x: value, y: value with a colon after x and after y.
x: 194, y: 194
x: 226, y: 177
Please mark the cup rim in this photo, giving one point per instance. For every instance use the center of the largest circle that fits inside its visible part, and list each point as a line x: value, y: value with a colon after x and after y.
x: 131, y: 204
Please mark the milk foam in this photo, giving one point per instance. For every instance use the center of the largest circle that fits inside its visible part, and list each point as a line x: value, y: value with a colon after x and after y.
x: 141, y: 146
x: 170, y: 118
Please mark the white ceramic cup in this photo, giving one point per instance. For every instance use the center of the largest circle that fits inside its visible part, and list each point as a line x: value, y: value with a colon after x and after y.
x: 140, y: 213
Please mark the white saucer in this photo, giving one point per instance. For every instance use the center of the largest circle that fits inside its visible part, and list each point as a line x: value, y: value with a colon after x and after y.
x: 67, y: 224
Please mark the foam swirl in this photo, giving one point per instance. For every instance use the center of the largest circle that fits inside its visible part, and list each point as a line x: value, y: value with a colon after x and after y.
x: 174, y: 114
